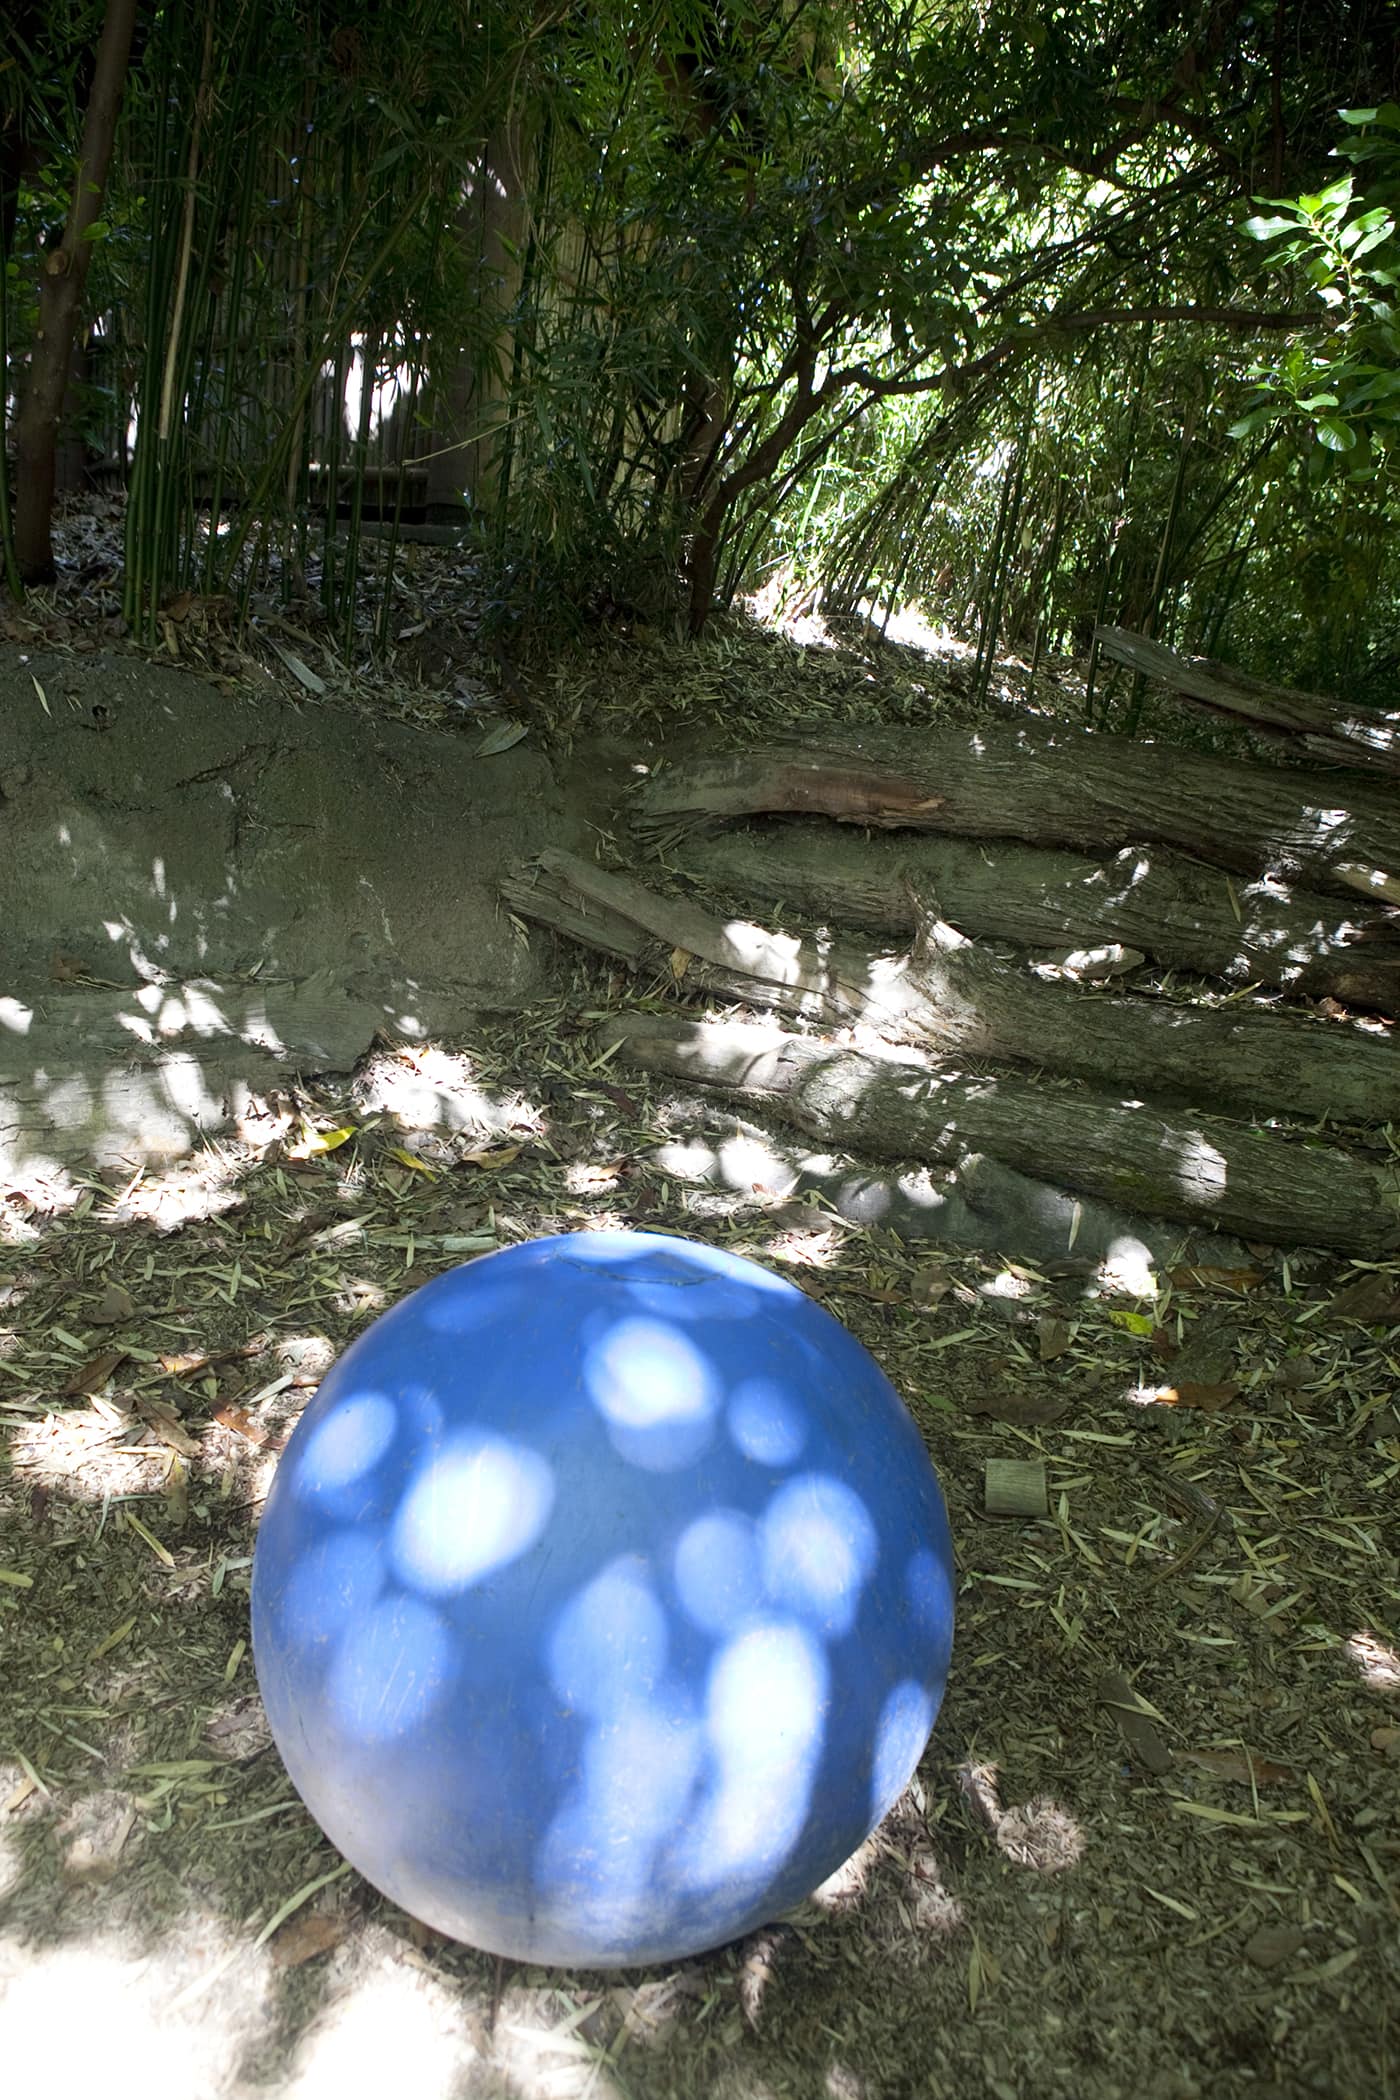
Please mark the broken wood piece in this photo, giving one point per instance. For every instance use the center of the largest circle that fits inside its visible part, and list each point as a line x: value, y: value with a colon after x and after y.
x: 1185, y: 914
x: 1015, y: 1487
x: 1333, y: 733
x: 978, y: 1202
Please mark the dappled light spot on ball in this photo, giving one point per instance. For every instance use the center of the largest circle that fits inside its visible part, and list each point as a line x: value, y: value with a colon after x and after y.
x: 471, y: 1509
x: 397, y: 1669
x: 819, y: 1550
x: 765, y: 1423
x: 765, y: 1710
x: 717, y: 1572
x: 639, y: 1773
x: 346, y: 1446
x: 654, y: 1389
x: 610, y: 1643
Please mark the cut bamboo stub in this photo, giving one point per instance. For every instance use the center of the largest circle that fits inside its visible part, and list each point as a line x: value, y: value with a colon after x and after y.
x: 1015, y: 1487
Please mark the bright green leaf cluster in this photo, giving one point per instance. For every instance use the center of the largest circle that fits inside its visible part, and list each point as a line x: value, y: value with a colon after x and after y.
x: 1343, y: 387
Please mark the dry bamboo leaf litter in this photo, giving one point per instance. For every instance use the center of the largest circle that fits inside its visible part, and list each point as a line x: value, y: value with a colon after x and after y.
x: 1237, y: 1568
x: 1044, y: 1603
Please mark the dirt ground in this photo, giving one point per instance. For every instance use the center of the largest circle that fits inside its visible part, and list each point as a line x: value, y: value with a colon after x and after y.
x: 1153, y: 1848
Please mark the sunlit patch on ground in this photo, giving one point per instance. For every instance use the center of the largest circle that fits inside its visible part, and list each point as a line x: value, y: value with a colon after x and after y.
x: 1377, y: 1661
x: 74, y: 2018
x: 1224, y: 1559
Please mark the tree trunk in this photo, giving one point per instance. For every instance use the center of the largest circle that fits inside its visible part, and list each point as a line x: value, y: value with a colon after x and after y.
x: 954, y: 998
x: 1254, y: 1183
x: 471, y: 390
x: 1321, y: 726
x: 1186, y: 915
x: 1057, y: 787
x: 60, y: 304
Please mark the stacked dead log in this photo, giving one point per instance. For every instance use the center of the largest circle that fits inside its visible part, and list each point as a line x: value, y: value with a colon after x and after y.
x: 1367, y: 738
x: 1222, y: 1111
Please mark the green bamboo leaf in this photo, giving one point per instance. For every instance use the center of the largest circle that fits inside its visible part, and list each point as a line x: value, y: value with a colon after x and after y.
x: 504, y: 737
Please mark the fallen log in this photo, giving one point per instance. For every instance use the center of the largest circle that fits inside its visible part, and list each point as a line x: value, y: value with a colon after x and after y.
x: 979, y: 1203
x: 1058, y: 786
x: 954, y: 997
x: 1321, y: 726
x: 1258, y: 1184
x: 1187, y: 915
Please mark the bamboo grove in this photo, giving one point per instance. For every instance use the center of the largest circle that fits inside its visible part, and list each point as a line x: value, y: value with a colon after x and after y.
x: 976, y: 307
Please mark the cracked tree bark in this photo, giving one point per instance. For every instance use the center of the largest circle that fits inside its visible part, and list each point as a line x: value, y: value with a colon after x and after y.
x: 1183, y: 913
x: 956, y: 999
x: 1010, y: 780
x: 1192, y: 1168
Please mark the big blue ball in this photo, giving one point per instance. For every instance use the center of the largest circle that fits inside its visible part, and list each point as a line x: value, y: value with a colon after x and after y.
x: 603, y: 1600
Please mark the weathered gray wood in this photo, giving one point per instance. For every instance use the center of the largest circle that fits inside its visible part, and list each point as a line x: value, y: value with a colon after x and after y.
x: 1322, y: 726
x: 978, y: 1202
x: 1187, y: 915
x: 956, y: 998
x: 1055, y: 787
x: 1259, y: 1184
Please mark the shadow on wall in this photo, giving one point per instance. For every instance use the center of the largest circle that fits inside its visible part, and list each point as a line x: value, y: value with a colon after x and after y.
x: 138, y: 1075
x: 173, y: 847
x: 603, y: 1602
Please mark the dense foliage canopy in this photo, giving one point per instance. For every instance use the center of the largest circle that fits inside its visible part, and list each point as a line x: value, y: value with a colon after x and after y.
x: 1035, y: 314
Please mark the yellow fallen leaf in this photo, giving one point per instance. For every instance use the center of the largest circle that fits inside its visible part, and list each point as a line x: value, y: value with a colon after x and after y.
x: 1131, y: 1322
x: 162, y: 1553
x: 314, y: 1141
x: 489, y: 1156
x: 406, y: 1158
